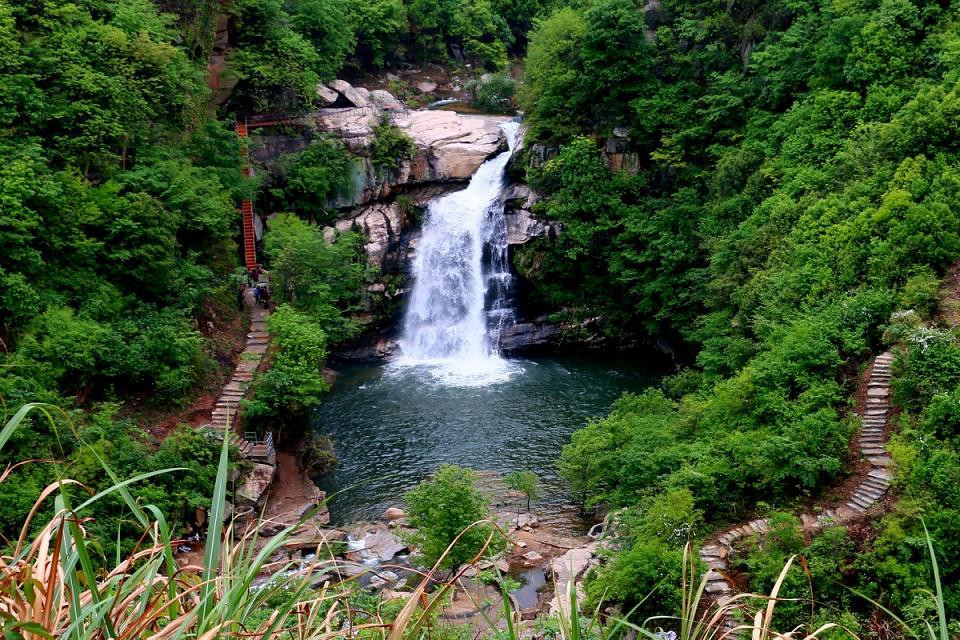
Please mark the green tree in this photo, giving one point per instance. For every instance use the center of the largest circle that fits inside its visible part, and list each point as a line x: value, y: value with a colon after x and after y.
x: 293, y: 384
x: 379, y: 26
x: 444, y: 507
x: 327, y: 25
x: 526, y: 482
x: 320, y: 277
x: 315, y: 178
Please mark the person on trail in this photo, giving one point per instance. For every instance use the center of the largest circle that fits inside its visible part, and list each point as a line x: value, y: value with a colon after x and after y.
x: 257, y: 292
x: 265, y: 296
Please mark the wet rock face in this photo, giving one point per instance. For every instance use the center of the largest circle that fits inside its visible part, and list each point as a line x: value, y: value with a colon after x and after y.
x: 527, y: 336
x: 522, y: 224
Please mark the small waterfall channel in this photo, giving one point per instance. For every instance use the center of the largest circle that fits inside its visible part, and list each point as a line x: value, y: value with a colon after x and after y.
x: 461, y: 283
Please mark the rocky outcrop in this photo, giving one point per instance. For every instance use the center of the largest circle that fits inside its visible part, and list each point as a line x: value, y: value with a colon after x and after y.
x: 449, y: 146
x: 255, y: 484
x: 522, y: 226
x: 530, y: 336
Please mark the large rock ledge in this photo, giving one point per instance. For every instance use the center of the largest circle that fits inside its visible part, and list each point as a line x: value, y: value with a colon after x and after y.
x: 450, y: 146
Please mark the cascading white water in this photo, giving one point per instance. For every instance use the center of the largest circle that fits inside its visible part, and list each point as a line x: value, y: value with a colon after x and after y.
x: 461, y: 282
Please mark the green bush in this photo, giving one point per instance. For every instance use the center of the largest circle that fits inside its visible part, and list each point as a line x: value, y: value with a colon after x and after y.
x: 293, y: 385
x: 494, y: 93
x: 315, y: 178
x: 444, y: 507
x: 390, y: 147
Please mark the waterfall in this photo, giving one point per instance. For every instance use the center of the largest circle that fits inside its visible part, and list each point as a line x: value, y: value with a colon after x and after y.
x: 461, y: 281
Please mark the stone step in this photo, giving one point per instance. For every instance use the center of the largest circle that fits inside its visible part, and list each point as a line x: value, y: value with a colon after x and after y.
x: 870, y: 492
x: 865, y: 493
x: 880, y: 474
x: 760, y: 526
x: 880, y: 461
x: 876, y: 483
x: 855, y: 507
x: 873, y: 450
x: 862, y: 502
x: 718, y: 587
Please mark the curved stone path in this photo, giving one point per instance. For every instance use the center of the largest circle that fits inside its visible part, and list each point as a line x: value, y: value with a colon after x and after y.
x: 874, y: 418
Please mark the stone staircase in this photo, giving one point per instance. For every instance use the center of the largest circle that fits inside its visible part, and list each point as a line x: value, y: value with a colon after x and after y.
x: 227, y: 407
x: 874, y: 418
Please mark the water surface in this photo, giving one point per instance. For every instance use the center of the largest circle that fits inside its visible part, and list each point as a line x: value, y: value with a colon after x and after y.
x: 393, y: 426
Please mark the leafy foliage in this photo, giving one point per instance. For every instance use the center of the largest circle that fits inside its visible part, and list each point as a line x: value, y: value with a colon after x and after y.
x: 293, y: 384
x: 317, y: 276
x: 314, y: 179
x: 771, y: 183
x: 390, y: 147
x: 443, y: 508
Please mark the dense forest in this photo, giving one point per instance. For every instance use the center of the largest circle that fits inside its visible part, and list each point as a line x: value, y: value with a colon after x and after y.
x: 795, y: 200
x: 791, y: 213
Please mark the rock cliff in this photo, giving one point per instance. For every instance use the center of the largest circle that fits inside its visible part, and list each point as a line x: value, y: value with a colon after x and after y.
x: 449, y: 146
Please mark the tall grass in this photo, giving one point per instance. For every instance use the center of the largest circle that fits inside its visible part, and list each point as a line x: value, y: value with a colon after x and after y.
x: 50, y: 586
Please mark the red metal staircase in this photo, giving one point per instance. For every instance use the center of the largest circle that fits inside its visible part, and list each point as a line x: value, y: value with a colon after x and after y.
x: 246, y: 208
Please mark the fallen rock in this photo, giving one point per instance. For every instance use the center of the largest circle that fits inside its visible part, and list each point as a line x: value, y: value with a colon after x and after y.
x: 571, y: 565
x: 532, y: 556
x: 394, y: 513
x: 426, y: 86
x: 383, y: 578
x: 385, y: 100
x: 526, y: 521
x: 382, y: 544
x: 349, y: 93
x: 255, y: 484
x: 326, y: 95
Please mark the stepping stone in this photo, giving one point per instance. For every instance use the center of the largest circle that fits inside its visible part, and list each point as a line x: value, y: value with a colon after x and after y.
x: 878, y: 392
x: 719, y: 565
x: 865, y: 504
x: 881, y: 474
x: 880, y: 461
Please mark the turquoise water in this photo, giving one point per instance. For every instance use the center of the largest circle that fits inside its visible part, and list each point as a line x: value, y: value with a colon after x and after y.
x: 391, y: 427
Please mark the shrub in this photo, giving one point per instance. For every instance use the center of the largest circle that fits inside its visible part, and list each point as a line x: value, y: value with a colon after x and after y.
x: 390, y: 147
x: 444, y: 507
x: 494, y: 93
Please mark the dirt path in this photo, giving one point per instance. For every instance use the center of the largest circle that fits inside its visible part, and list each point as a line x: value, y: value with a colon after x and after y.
x: 864, y: 494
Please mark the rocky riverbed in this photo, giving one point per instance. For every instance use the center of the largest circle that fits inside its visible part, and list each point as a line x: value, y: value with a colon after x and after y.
x: 541, y: 561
